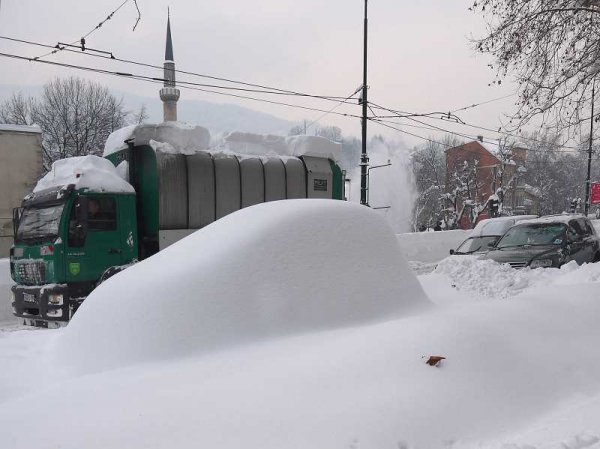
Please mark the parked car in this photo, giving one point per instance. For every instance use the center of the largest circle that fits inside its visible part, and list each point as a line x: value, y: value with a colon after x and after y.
x: 548, y: 242
x: 487, y: 233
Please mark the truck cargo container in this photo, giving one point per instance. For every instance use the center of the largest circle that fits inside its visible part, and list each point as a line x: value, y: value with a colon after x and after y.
x: 91, y: 217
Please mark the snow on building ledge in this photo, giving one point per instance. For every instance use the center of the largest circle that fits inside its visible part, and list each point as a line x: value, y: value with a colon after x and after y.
x: 33, y: 129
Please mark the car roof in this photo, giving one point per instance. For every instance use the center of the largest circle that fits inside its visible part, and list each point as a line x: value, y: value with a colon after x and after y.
x: 498, y: 226
x: 549, y: 219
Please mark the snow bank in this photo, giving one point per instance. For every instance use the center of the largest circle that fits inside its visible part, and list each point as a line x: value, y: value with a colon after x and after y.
x: 265, y: 271
x: 510, y: 366
x: 490, y: 280
x: 180, y: 137
x: 86, y: 172
x: 430, y: 246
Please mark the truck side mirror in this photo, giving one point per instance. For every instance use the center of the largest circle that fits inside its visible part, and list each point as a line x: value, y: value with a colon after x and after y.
x: 78, y: 223
x: 81, y: 209
x: 452, y: 252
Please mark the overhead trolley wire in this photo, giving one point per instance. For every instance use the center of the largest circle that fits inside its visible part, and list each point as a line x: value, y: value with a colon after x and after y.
x: 97, y: 27
x: 161, y: 80
x: 109, y: 55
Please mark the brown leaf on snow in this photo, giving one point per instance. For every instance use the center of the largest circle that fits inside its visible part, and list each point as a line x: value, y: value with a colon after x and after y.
x: 434, y: 360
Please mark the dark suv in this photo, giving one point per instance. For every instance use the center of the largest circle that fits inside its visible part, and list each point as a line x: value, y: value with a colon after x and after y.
x: 548, y: 242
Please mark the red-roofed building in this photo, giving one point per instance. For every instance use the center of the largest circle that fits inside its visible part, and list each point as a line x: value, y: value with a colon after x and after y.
x: 476, y: 171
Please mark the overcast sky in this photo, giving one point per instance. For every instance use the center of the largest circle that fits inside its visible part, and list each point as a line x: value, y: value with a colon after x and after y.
x: 420, y: 57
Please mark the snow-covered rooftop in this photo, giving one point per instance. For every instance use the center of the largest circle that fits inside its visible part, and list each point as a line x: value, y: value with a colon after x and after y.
x: 92, y: 173
x: 35, y: 129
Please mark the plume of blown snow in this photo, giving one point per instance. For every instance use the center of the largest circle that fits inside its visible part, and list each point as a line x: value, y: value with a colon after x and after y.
x: 393, y: 186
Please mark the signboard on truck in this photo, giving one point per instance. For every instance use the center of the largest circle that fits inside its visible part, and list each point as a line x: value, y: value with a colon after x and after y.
x: 595, y: 193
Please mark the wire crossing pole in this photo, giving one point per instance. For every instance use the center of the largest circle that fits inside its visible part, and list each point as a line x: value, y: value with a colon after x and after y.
x: 364, y: 159
x: 589, y: 165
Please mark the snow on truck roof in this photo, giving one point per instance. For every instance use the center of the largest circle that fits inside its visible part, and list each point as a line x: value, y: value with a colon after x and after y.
x: 93, y: 173
x: 181, y: 138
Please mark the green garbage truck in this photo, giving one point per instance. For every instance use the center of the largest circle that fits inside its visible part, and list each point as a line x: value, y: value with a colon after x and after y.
x: 91, y: 217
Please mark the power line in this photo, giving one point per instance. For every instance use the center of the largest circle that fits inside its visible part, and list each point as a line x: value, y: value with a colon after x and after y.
x: 161, y: 80
x: 333, y: 109
x: 458, y: 121
x: 385, y: 124
x: 475, y: 105
x: 107, y: 55
x: 97, y: 27
x: 110, y: 55
x: 468, y: 136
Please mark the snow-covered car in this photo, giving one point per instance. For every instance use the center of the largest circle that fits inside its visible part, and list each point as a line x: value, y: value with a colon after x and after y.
x: 487, y: 233
x: 548, y: 241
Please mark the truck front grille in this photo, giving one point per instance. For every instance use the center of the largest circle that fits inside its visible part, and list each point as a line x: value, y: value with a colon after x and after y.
x: 31, y: 272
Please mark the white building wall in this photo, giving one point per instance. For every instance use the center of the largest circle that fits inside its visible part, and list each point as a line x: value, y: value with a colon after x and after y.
x: 20, y: 168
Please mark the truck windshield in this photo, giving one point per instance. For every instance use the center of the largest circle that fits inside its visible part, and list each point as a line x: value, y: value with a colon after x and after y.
x: 39, y: 223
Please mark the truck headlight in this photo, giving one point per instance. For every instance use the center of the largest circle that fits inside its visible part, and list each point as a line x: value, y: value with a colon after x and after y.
x: 54, y: 313
x: 541, y: 263
x: 56, y: 299
x: 12, y: 296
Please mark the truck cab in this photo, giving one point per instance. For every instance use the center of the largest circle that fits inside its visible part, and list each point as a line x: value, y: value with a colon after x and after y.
x: 65, y: 240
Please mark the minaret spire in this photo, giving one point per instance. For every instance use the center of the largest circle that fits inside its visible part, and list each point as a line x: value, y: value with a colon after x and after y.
x: 169, y: 94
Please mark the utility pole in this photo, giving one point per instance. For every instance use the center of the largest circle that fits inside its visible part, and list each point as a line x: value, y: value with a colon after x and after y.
x: 589, y: 166
x: 364, y: 159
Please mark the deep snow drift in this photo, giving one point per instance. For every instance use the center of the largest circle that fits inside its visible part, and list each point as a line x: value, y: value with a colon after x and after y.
x: 264, y: 271
x: 520, y: 373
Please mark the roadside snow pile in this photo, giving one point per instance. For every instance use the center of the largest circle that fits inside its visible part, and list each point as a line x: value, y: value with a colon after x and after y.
x: 489, y: 279
x: 515, y: 372
x: 265, y: 271
x: 93, y: 173
x: 179, y: 137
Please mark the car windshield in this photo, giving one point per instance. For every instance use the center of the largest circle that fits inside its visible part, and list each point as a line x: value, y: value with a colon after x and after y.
x: 40, y: 223
x: 474, y: 244
x: 533, y: 234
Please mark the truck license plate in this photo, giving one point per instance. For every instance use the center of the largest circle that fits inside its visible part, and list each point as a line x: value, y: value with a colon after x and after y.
x: 28, y: 297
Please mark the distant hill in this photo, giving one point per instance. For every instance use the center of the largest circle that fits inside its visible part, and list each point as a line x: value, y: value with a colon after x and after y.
x: 218, y: 117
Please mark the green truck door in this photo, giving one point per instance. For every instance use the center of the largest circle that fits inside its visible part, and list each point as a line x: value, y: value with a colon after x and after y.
x: 101, y: 247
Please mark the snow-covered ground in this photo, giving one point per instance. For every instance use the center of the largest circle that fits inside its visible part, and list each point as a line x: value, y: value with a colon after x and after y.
x: 522, y: 367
